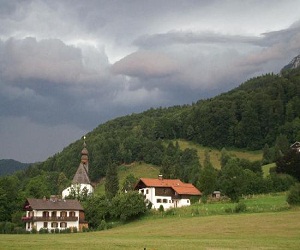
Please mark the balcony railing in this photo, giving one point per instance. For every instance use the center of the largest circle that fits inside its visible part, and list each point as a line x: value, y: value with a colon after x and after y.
x: 52, y: 218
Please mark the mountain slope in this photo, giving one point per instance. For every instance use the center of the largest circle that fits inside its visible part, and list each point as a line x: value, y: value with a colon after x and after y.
x: 247, y: 117
x: 9, y: 166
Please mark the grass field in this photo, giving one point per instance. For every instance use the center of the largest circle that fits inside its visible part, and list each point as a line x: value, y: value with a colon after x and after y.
x: 273, y: 230
x: 268, y: 223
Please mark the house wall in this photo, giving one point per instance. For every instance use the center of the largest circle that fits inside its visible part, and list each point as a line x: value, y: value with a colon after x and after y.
x: 58, y: 219
x: 66, y: 192
x: 165, y: 197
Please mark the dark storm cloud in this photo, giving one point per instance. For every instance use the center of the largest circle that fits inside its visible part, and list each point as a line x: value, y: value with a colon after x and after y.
x: 67, y: 66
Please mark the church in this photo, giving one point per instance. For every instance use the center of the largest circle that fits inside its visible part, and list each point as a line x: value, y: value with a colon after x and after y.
x: 81, y: 183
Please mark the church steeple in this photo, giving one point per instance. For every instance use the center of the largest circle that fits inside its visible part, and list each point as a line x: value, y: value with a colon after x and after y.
x: 85, y: 155
x: 81, y: 178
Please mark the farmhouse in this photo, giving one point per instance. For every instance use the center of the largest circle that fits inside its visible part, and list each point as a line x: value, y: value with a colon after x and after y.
x: 296, y: 146
x: 170, y: 193
x: 53, y: 213
x: 81, y: 183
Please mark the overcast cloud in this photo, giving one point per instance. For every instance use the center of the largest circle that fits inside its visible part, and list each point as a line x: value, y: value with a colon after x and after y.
x: 68, y: 66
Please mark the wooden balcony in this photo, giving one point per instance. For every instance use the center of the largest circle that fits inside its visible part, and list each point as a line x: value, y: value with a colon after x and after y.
x: 40, y: 218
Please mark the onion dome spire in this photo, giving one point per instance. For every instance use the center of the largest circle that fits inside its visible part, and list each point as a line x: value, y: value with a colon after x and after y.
x: 84, y: 153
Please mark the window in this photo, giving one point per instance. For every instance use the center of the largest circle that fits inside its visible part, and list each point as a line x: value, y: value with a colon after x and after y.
x: 147, y: 191
x: 63, y: 224
x: 54, y: 224
x: 63, y: 214
x: 45, y: 224
x: 165, y: 201
x: 188, y: 201
x: 158, y: 201
x: 53, y: 214
x: 71, y: 214
x: 45, y: 214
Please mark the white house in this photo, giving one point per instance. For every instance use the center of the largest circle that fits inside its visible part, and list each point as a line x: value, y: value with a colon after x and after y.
x: 170, y: 193
x: 53, y: 213
x: 81, y: 183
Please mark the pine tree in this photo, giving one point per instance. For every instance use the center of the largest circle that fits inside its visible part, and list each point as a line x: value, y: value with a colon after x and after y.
x: 112, y: 181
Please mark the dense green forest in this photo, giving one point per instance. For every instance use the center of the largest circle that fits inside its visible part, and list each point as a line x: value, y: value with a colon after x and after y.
x: 261, y: 114
x: 250, y: 117
x: 9, y: 166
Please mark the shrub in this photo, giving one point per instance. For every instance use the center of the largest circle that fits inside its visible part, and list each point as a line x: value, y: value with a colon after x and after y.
x: 7, y: 227
x: 43, y: 231
x: 149, y: 205
x: 240, y: 207
x: 161, y: 208
x: 204, y: 199
x: 103, y: 225
x: 293, y: 197
x: 170, y: 211
x: 20, y: 230
x: 229, y: 210
x: 195, y: 212
x: 126, y: 206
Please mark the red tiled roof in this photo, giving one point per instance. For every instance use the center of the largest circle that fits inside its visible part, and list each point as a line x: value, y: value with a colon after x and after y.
x: 176, y: 184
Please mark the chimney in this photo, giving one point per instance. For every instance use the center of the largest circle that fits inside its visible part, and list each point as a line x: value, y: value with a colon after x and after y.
x: 160, y: 177
x: 53, y: 198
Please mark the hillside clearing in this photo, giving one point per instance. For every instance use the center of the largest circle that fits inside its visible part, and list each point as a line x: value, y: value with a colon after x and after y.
x: 215, y: 154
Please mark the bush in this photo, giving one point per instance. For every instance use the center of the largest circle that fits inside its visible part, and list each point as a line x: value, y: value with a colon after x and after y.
x: 195, y: 212
x: 103, y: 225
x: 149, y: 205
x: 170, y: 211
x: 7, y: 227
x: 293, y: 197
x: 43, y: 231
x: 126, y: 206
x: 161, y: 208
x: 240, y: 207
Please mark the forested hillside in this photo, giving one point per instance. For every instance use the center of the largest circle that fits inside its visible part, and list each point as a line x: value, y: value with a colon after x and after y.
x: 249, y: 117
x: 9, y: 166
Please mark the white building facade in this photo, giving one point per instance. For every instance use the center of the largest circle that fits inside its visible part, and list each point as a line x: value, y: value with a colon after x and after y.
x: 169, y: 193
x: 53, y: 214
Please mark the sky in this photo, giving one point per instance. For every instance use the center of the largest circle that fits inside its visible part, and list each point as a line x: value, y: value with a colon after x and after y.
x: 67, y: 66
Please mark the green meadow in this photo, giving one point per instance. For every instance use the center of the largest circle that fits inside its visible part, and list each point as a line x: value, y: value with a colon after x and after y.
x: 268, y: 223
x: 215, y: 154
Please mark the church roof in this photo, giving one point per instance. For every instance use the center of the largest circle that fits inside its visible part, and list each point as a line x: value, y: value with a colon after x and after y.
x: 81, y: 175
